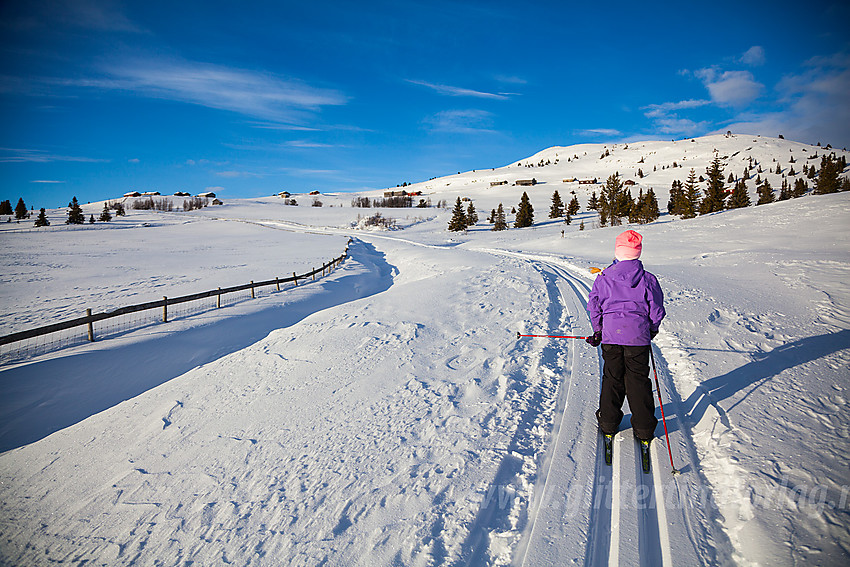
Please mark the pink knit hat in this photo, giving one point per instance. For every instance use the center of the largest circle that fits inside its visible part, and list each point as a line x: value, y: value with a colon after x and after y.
x: 628, y: 246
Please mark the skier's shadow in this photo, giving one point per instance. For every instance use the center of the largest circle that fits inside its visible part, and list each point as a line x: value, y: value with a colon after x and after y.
x: 758, y: 372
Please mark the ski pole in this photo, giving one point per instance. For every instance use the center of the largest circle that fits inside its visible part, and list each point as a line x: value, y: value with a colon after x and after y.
x: 518, y: 335
x: 663, y: 420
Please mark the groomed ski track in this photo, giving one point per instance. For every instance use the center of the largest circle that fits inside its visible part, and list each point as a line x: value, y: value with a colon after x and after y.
x: 628, y: 521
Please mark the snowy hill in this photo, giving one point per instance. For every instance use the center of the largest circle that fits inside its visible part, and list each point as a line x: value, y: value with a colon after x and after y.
x: 387, y: 414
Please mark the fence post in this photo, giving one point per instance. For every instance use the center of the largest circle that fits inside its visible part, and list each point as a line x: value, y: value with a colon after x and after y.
x: 218, y: 299
x: 252, y: 289
x: 164, y: 309
x: 295, y: 279
x: 277, y: 282
x: 314, y: 273
x: 90, y: 326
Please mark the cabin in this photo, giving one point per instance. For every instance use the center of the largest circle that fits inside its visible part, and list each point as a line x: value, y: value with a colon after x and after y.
x: 587, y: 181
x: 629, y: 182
x: 150, y: 194
x: 570, y: 180
x: 526, y: 182
x: 497, y: 183
x: 283, y: 194
x: 216, y: 202
x: 209, y: 195
x: 182, y: 194
x: 133, y: 194
x: 314, y: 193
x: 388, y: 194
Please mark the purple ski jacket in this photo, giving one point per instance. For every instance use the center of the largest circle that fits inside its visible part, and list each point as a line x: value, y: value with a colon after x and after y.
x: 626, y: 303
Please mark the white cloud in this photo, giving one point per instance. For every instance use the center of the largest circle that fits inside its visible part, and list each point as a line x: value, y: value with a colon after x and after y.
x: 753, y: 57
x: 730, y: 88
x: 49, y: 181
x: 134, y: 160
x: 252, y: 93
x: 459, y: 91
x: 16, y: 155
x: 665, y: 108
x: 461, y: 121
x: 813, y: 105
x: 607, y: 132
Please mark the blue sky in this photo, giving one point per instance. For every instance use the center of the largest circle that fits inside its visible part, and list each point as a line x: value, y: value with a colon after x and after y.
x: 101, y: 97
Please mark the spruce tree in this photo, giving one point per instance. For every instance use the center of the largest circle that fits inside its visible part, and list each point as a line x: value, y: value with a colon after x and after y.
x: 690, y: 197
x: 75, y: 213
x: 525, y: 214
x: 500, y: 222
x: 42, y: 218
x: 675, y: 205
x: 740, y: 196
x: 458, y: 221
x: 6, y: 208
x: 21, y: 209
x: 650, y: 207
x: 492, y: 218
x: 573, y: 207
x: 765, y: 192
x: 612, y: 200
x: 556, y: 211
x: 800, y: 188
x: 827, y: 180
x: 91, y: 219
x: 715, y: 195
x: 471, y: 215
x: 119, y: 209
x: 105, y: 215
x: 784, y: 191
x: 593, y: 204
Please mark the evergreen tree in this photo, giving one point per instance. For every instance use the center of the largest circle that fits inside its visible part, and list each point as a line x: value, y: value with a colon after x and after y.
x: 573, y: 207
x: 471, y: 215
x: 675, y: 205
x: 458, y: 221
x: 827, y: 181
x: 611, y: 201
x: 765, y: 192
x: 690, y: 197
x: 650, y: 207
x: 593, y: 204
x: 715, y: 195
x: 785, y: 191
x: 740, y: 196
x: 500, y: 222
x: 75, y: 213
x: 556, y: 211
x: 6, y: 208
x: 21, y: 209
x: 91, y: 219
x: 492, y: 217
x: 105, y: 215
x: 119, y: 209
x: 525, y: 214
x: 42, y: 218
x: 800, y: 188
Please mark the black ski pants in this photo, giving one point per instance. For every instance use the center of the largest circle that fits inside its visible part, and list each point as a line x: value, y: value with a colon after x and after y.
x: 626, y: 374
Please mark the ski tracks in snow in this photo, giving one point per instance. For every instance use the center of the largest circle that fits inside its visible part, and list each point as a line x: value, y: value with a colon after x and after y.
x: 584, y: 511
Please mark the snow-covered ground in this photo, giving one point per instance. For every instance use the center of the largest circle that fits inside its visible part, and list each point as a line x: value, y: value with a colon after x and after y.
x: 387, y: 414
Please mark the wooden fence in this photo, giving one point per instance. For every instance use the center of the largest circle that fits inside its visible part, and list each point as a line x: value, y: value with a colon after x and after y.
x: 90, y: 319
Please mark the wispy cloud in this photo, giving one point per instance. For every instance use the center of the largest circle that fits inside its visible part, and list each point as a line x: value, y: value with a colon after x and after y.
x: 469, y: 121
x: 16, y: 155
x: 47, y: 181
x: 753, y: 57
x: 459, y: 91
x: 813, y: 105
x: 664, y: 109
x: 253, y: 93
x: 596, y: 132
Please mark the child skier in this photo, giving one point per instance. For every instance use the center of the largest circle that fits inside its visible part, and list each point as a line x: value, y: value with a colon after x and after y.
x: 626, y: 308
